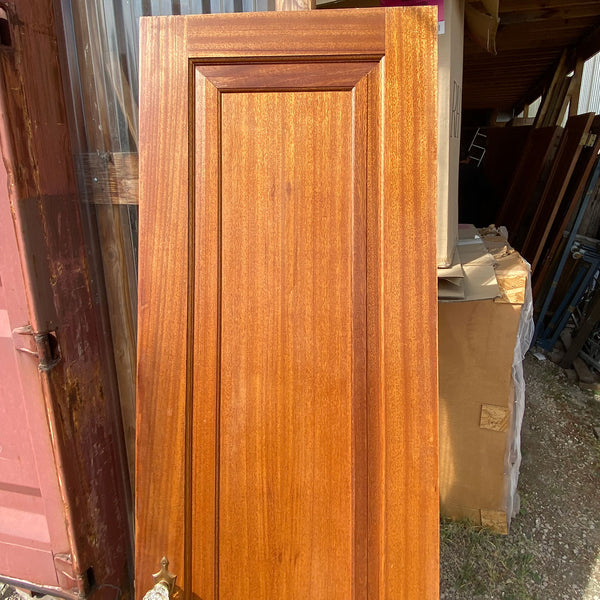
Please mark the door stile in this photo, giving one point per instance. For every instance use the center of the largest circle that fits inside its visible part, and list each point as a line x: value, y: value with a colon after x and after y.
x: 408, y: 309
x: 163, y: 346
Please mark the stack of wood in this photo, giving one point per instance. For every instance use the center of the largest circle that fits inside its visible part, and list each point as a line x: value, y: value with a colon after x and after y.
x: 546, y: 187
x: 537, y: 172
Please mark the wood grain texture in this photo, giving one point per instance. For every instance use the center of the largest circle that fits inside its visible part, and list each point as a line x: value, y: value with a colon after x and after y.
x: 122, y: 318
x: 288, y: 76
x: 163, y: 315
x: 316, y: 33
x: 408, y: 310
x: 286, y: 477
x: 206, y: 380
x: 300, y: 365
x: 110, y: 178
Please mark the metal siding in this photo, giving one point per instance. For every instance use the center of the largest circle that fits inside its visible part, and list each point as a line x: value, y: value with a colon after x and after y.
x: 589, y: 96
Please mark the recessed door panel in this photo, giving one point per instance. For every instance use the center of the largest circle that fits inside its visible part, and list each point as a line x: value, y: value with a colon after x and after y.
x: 286, y: 466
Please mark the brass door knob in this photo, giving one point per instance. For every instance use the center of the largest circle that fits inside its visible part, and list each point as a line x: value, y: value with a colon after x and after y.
x: 164, y: 583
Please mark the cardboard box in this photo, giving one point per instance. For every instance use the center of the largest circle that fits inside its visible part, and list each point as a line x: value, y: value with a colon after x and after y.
x: 481, y: 343
x: 450, y: 76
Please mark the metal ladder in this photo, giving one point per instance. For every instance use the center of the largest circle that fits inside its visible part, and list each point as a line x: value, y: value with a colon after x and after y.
x: 476, y: 150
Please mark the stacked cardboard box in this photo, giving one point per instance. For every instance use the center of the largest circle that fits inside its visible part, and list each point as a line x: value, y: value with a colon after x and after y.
x: 482, y: 340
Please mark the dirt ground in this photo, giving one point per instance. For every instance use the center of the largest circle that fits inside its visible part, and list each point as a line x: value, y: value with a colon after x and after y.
x: 553, y: 549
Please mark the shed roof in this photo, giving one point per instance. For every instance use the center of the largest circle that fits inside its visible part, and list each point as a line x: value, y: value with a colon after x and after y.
x: 531, y: 37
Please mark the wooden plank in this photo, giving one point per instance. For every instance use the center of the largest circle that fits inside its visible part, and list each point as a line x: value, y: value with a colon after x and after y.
x: 513, y: 6
x: 573, y: 196
x: 555, y: 188
x: 525, y: 15
x: 573, y: 85
x: 122, y: 308
x: 110, y: 177
x: 161, y: 425
x: 549, y: 98
x: 575, y: 88
x: 550, y: 24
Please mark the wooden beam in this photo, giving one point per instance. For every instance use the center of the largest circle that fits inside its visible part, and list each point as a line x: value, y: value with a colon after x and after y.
x: 523, y: 28
x: 553, y: 98
x: 545, y: 15
x: 574, y: 89
x: 111, y: 178
x: 510, y: 6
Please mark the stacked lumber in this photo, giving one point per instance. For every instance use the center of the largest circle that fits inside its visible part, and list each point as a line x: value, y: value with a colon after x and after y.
x: 539, y: 177
x: 548, y: 197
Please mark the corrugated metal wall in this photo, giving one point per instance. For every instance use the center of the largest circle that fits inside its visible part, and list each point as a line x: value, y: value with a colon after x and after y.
x: 589, y: 96
x: 191, y: 7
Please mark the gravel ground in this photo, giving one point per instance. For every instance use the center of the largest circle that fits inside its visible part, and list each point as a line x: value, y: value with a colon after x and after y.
x: 553, y: 549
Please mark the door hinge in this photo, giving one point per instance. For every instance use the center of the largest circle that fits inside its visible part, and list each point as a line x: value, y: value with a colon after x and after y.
x: 588, y: 140
x: 71, y: 581
x: 46, y: 347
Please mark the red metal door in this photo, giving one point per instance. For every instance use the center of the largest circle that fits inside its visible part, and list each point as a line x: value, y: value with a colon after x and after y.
x: 63, y: 481
x: 32, y: 524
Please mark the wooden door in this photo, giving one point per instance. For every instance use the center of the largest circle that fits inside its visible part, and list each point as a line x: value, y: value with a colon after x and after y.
x: 287, y: 387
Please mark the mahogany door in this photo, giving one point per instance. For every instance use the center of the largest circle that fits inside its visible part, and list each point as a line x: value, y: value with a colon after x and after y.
x: 287, y: 386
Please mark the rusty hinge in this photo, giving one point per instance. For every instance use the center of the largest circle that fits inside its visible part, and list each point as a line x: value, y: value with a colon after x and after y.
x: 47, y: 351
